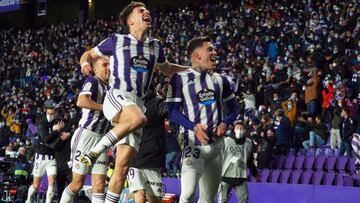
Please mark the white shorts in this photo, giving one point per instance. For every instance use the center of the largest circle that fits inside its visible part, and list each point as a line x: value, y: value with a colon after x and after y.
x: 44, y: 163
x: 146, y: 179
x: 113, y: 103
x: 82, y: 141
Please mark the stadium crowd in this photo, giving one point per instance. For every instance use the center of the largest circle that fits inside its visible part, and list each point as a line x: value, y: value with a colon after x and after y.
x: 294, y: 67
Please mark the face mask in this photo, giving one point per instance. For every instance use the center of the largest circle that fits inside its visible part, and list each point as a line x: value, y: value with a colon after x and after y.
x: 49, y: 118
x: 239, y: 134
x: 289, y: 106
x: 72, y: 114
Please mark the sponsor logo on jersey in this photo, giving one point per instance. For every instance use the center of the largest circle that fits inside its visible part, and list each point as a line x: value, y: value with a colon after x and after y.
x: 188, y: 162
x: 139, y: 64
x: 206, y: 97
x: 77, y: 165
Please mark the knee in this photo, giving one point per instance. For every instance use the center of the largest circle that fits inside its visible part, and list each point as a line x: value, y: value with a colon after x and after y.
x: 75, y: 186
x: 139, y: 121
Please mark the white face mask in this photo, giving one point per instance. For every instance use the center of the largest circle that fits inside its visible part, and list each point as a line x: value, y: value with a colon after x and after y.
x: 239, y: 134
x: 49, y: 118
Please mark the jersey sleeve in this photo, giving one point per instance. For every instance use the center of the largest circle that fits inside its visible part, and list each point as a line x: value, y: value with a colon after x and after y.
x: 107, y: 46
x: 227, y: 93
x: 161, y: 59
x: 89, y: 86
x: 174, y: 92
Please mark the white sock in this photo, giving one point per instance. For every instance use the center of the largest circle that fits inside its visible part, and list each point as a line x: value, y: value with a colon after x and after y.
x: 31, y: 191
x: 97, y: 197
x: 67, y: 196
x: 112, y: 197
x: 49, y: 194
x: 107, y: 141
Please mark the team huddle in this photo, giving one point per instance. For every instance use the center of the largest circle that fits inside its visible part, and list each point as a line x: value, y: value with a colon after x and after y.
x: 120, y: 71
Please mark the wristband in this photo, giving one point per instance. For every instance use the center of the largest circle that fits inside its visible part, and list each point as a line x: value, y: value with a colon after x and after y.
x: 84, y: 64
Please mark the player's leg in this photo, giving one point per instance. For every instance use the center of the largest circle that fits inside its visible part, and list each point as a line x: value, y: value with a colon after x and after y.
x: 210, y: 180
x: 80, y: 142
x: 124, y: 154
x: 223, y: 192
x: 38, y: 171
x: 127, y: 116
x: 242, y: 192
x: 98, y: 185
x: 191, y: 171
x: 137, y: 183
x: 51, y: 172
x: 33, y: 188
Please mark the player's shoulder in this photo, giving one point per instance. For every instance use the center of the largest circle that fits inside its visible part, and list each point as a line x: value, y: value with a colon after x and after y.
x: 91, y: 79
x: 185, y: 72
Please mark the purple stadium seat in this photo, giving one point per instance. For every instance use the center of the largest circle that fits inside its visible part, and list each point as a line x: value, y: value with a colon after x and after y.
x: 289, y: 162
x: 310, y: 152
x: 295, y: 177
x: 329, y: 152
x: 320, y: 162
x: 279, y: 162
x: 320, y: 152
x: 265, y: 175
x: 301, y: 152
x: 351, y: 165
x: 309, y: 162
x: 339, y: 180
x: 330, y: 162
x: 341, y: 163
x: 317, y: 178
x: 306, y: 177
x: 329, y: 178
x: 336, y: 152
x: 275, y: 174
x: 299, y: 162
x: 348, y: 181
x: 285, y: 175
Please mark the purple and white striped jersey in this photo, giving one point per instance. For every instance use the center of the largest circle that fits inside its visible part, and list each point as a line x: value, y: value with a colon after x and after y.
x: 131, y: 61
x: 92, y: 120
x: 201, y: 97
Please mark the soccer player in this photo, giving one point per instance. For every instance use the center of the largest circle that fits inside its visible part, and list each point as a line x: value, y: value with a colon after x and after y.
x: 133, y: 57
x: 48, y: 132
x: 92, y: 126
x: 196, y: 99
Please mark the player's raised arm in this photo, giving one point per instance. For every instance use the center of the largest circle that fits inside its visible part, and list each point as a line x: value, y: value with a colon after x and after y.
x: 170, y: 68
x: 85, y: 61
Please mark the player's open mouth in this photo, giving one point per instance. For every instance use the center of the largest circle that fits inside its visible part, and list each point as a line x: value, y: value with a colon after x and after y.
x: 147, y: 19
x: 213, y: 60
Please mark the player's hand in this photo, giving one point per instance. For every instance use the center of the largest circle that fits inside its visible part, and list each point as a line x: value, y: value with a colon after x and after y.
x: 200, y: 133
x: 221, y: 129
x: 65, y: 135
x: 58, y: 126
x: 86, y: 68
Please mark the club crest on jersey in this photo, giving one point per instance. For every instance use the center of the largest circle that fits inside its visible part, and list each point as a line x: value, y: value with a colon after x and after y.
x: 139, y: 64
x: 206, y: 97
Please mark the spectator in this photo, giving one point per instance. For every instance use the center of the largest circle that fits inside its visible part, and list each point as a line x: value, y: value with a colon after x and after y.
x: 346, y: 132
x: 311, y: 93
x: 317, y: 136
x: 283, y: 133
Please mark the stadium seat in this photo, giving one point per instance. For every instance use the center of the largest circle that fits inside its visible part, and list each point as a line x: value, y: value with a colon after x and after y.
x: 341, y: 163
x: 265, y: 175
x: 279, y: 162
x: 285, y: 176
x: 306, y: 177
x: 329, y: 178
x: 339, y: 180
x: 309, y: 162
x: 348, y: 181
x: 275, y: 174
x: 310, y: 152
x: 289, y: 162
x: 299, y: 162
x: 320, y: 162
x: 318, y: 177
x: 330, y: 163
x: 295, y: 177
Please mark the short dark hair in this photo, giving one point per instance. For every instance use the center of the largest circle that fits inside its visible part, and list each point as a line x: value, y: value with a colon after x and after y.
x: 125, y: 13
x: 196, y: 43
